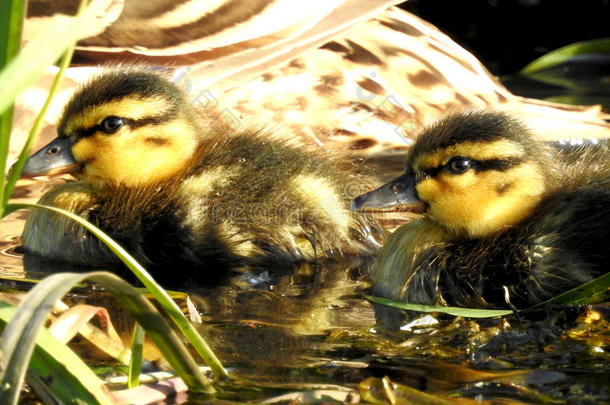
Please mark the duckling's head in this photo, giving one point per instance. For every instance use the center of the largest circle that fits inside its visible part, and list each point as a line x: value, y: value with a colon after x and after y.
x: 127, y: 126
x: 476, y: 173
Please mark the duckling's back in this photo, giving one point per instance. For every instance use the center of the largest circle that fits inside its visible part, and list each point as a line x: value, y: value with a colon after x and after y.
x: 259, y: 202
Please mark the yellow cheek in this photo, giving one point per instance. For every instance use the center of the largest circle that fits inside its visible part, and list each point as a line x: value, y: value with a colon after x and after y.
x: 452, y: 199
x: 445, y: 188
x: 132, y: 158
x: 90, y: 149
x: 99, y: 157
x: 478, y: 204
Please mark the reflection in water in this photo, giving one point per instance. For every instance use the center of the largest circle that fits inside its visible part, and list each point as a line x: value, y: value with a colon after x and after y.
x: 284, y: 328
x: 11, y: 262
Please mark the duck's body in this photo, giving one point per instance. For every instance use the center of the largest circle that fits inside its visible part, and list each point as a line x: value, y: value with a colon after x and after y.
x: 507, y: 220
x: 183, y: 196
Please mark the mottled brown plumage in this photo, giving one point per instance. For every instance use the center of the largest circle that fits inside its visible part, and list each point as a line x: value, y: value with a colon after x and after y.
x: 359, y: 76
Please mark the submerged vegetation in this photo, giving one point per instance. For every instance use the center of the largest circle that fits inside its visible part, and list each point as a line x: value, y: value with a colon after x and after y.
x: 366, y: 359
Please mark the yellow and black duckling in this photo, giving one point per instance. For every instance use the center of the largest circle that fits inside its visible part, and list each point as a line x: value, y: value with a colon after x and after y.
x: 507, y: 220
x: 191, y: 200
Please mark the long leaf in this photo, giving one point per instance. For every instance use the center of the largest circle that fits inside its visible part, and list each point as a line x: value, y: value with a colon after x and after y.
x: 597, y: 290
x: 591, y: 292
x: 135, y: 361
x: 19, y: 337
x: 56, y: 372
x: 562, y: 55
x: 25, y: 151
x: 455, y: 311
x: 12, y: 13
x: 159, y: 293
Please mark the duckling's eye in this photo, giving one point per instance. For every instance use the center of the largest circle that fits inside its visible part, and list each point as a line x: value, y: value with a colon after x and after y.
x: 459, y: 165
x: 112, y: 124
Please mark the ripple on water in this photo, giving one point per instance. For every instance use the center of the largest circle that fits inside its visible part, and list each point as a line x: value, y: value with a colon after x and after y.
x: 11, y: 261
x: 11, y: 226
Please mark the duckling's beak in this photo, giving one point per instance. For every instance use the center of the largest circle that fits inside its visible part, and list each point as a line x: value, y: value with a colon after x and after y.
x: 397, y: 195
x: 54, y: 158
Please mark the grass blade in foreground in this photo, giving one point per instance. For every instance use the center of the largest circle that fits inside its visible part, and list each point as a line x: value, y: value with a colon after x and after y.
x: 19, y: 337
x: 53, y: 366
x: 160, y: 295
x: 135, y: 361
x: 25, y: 151
x: 455, y: 311
x: 12, y: 14
x: 594, y: 291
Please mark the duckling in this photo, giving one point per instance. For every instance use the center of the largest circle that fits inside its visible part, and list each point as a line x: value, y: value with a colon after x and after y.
x: 508, y: 221
x: 180, y: 192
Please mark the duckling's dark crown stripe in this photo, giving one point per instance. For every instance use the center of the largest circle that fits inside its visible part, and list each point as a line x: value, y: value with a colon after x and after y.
x: 119, y: 84
x: 474, y: 126
x: 476, y: 165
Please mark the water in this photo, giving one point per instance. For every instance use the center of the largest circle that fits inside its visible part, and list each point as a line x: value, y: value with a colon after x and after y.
x: 315, y: 332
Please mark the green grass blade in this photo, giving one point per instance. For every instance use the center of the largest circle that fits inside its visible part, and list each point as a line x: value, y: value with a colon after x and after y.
x: 562, y: 55
x: 594, y: 291
x: 56, y: 372
x: 135, y: 361
x: 32, y: 313
x: 6, y: 123
x: 160, y: 295
x: 455, y: 311
x: 12, y: 14
x: 25, y: 151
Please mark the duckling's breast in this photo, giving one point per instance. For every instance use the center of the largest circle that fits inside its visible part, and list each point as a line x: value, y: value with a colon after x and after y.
x: 58, y: 238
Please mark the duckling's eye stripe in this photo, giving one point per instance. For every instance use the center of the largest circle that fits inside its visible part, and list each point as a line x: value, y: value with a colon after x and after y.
x: 153, y: 120
x: 85, y: 132
x: 476, y: 165
x: 496, y: 164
